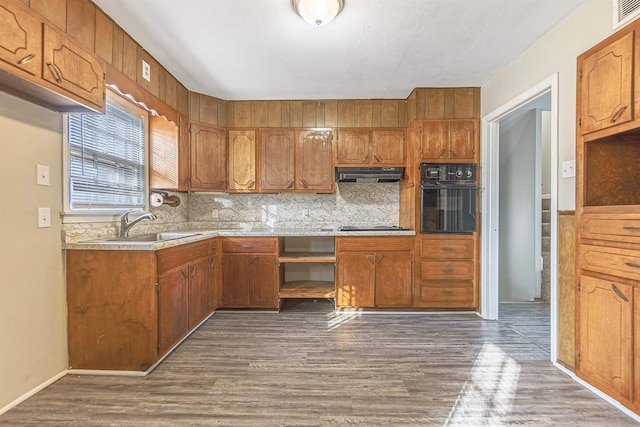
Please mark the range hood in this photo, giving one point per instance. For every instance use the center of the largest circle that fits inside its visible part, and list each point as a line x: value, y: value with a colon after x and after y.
x: 364, y: 174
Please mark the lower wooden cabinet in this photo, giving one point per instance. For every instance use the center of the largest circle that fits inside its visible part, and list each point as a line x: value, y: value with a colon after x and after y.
x: 605, y: 335
x: 368, y: 277
x: 250, y: 272
x: 447, y: 273
x: 126, y: 309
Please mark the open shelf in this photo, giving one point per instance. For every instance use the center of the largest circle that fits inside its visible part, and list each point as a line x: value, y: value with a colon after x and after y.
x: 308, y: 289
x: 307, y: 257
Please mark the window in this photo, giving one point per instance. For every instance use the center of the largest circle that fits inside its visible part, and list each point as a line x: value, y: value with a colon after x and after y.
x: 107, y: 159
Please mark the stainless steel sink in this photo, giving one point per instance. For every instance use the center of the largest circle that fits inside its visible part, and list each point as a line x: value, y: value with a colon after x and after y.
x: 146, y: 238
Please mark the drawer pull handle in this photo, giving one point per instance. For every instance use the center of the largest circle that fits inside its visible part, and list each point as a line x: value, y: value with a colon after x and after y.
x: 364, y: 159
x: 631, y: 228
x: 632, y: 265
x: 27, y: 59
x: 447, y: 270
x: 618, y: 113
x: 617, y: 291
x: 377, y: 158
x: 447, y: 249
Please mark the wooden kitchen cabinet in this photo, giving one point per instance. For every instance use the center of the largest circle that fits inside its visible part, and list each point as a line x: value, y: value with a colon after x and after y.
x: 127, y: 308
x: 447, y: 273
x: 277, y: 159
x: 607, y: 80
x: 368, y: 277
x: 208, y: 158
x: 356, y: 147
x: 214, y: 275
x: 45, y: 66
x: 79, y: 73
x: 249, y: 272
x: 604, y: 333
x: 314, y: 162
x: 242, y: 161
x: 164, y: 154
x: 453, y: 141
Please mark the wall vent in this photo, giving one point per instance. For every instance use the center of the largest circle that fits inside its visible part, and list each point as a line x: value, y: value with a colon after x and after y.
x: 624, y: 11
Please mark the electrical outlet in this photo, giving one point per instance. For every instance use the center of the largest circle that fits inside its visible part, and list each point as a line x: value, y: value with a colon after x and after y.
x: 42, y: 175
x: 146, y: 71
x: 214, y: 213
x: 305, y: 213
x: 44, y: 217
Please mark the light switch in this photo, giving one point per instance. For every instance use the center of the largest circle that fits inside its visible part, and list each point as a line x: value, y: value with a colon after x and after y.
x: 44, y: 217
x: 569, y: 169
x: 42, y: 175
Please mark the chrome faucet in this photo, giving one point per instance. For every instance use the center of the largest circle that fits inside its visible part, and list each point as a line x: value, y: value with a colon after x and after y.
x: 125, y: 224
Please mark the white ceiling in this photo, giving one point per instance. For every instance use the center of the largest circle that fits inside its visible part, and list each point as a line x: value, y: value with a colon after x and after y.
x: 260, y: 49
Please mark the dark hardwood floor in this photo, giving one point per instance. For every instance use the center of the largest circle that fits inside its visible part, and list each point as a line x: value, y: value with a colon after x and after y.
x: 310, y: 366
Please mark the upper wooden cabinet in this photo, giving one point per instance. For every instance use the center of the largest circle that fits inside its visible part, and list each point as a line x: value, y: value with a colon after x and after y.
x: 452, y: 141
x: 20, y: 38
x: 296, y: 160
x: 606, y: 76
x: 314, y: 161
x: 242, y: 161
x: 164, y: 141
x: 277, y: 155
x: 45, y: 66
x: 208, y: 158
x: 370, y: 148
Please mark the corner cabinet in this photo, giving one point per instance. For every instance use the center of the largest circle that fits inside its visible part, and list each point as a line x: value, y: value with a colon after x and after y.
x: 369, y: 277
x: 45, y: 66
x: 607, y: 289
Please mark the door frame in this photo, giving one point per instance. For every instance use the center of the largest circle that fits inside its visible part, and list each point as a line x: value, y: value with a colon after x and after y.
x: 490, y: 164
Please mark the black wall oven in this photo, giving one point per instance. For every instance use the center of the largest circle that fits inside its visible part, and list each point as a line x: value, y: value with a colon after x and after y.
x: 448, y: 198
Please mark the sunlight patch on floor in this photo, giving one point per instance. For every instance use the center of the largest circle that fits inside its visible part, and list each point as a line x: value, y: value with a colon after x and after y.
x: 339, y: 318
x: 487, y: 397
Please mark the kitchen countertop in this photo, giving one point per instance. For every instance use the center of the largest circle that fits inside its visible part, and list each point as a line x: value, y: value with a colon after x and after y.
x: 236, y: 232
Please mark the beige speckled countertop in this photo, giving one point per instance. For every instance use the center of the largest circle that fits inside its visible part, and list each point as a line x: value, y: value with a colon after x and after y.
x: 236, y: 232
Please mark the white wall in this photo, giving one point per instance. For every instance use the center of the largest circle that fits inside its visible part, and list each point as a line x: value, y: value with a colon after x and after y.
x: 33, y: 326
x: 555, y: 52
x: 545, y: 158
x: 518, y: 275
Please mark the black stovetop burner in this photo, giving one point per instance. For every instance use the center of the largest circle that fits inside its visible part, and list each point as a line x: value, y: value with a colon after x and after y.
x: 371, y: 228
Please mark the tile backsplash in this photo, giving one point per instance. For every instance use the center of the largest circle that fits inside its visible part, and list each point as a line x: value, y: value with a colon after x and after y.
x: 352, y: 203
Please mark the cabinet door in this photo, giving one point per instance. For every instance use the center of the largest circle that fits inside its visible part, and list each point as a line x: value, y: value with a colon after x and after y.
x: 393, y: 279
x: 208, y: 158
x: 605, y: 332
x: 387, y: 147
x: 183, y: 155
x: 435, y: 141
x: 607, y: 82
x: 262, y: 281
x: 242, y: 160
x: 353, y: 147
x: 214, y: 283
x: 277, y: 159
x: 164, y: 141
x: 314, y: 165
x: 356, y: 280
x: 199, y: 298
x: 235, y: 291
x: 462, y: 141
x: 70, y: 67
x: 173, y: 308
x: 20, y: 38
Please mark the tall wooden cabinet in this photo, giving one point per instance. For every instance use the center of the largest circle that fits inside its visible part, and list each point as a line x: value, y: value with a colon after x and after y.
x: 608, y: 217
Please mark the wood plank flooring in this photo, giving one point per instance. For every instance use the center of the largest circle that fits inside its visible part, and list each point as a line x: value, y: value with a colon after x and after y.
x: 531, y: 319
x: 311, y: 366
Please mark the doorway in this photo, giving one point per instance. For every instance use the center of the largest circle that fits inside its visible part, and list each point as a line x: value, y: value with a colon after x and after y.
x: 506, y: 227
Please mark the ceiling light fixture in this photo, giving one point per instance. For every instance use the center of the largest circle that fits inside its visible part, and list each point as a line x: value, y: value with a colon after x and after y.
x: 318, y: 12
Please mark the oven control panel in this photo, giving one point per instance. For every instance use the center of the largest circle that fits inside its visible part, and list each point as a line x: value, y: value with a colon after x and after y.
x: 432, y: 172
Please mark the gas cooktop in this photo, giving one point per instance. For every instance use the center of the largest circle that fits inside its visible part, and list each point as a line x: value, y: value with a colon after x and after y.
x: 371, y: 228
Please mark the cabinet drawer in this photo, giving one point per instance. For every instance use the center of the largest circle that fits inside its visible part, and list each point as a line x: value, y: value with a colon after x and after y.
x: 447, y: 249
x: 447, y: 294
x: 617, y: 262
x: 374, y: 244
x: 248, y: 245
x: 178, y: 256
x: 447, y: 270
x: 613, y: 228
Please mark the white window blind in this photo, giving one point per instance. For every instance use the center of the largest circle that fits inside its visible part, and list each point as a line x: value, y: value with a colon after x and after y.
x: 106, y: 160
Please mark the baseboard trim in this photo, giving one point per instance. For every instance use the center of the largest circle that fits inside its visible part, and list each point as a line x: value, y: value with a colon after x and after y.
x: 599, y: 393
x: 33, y: 391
